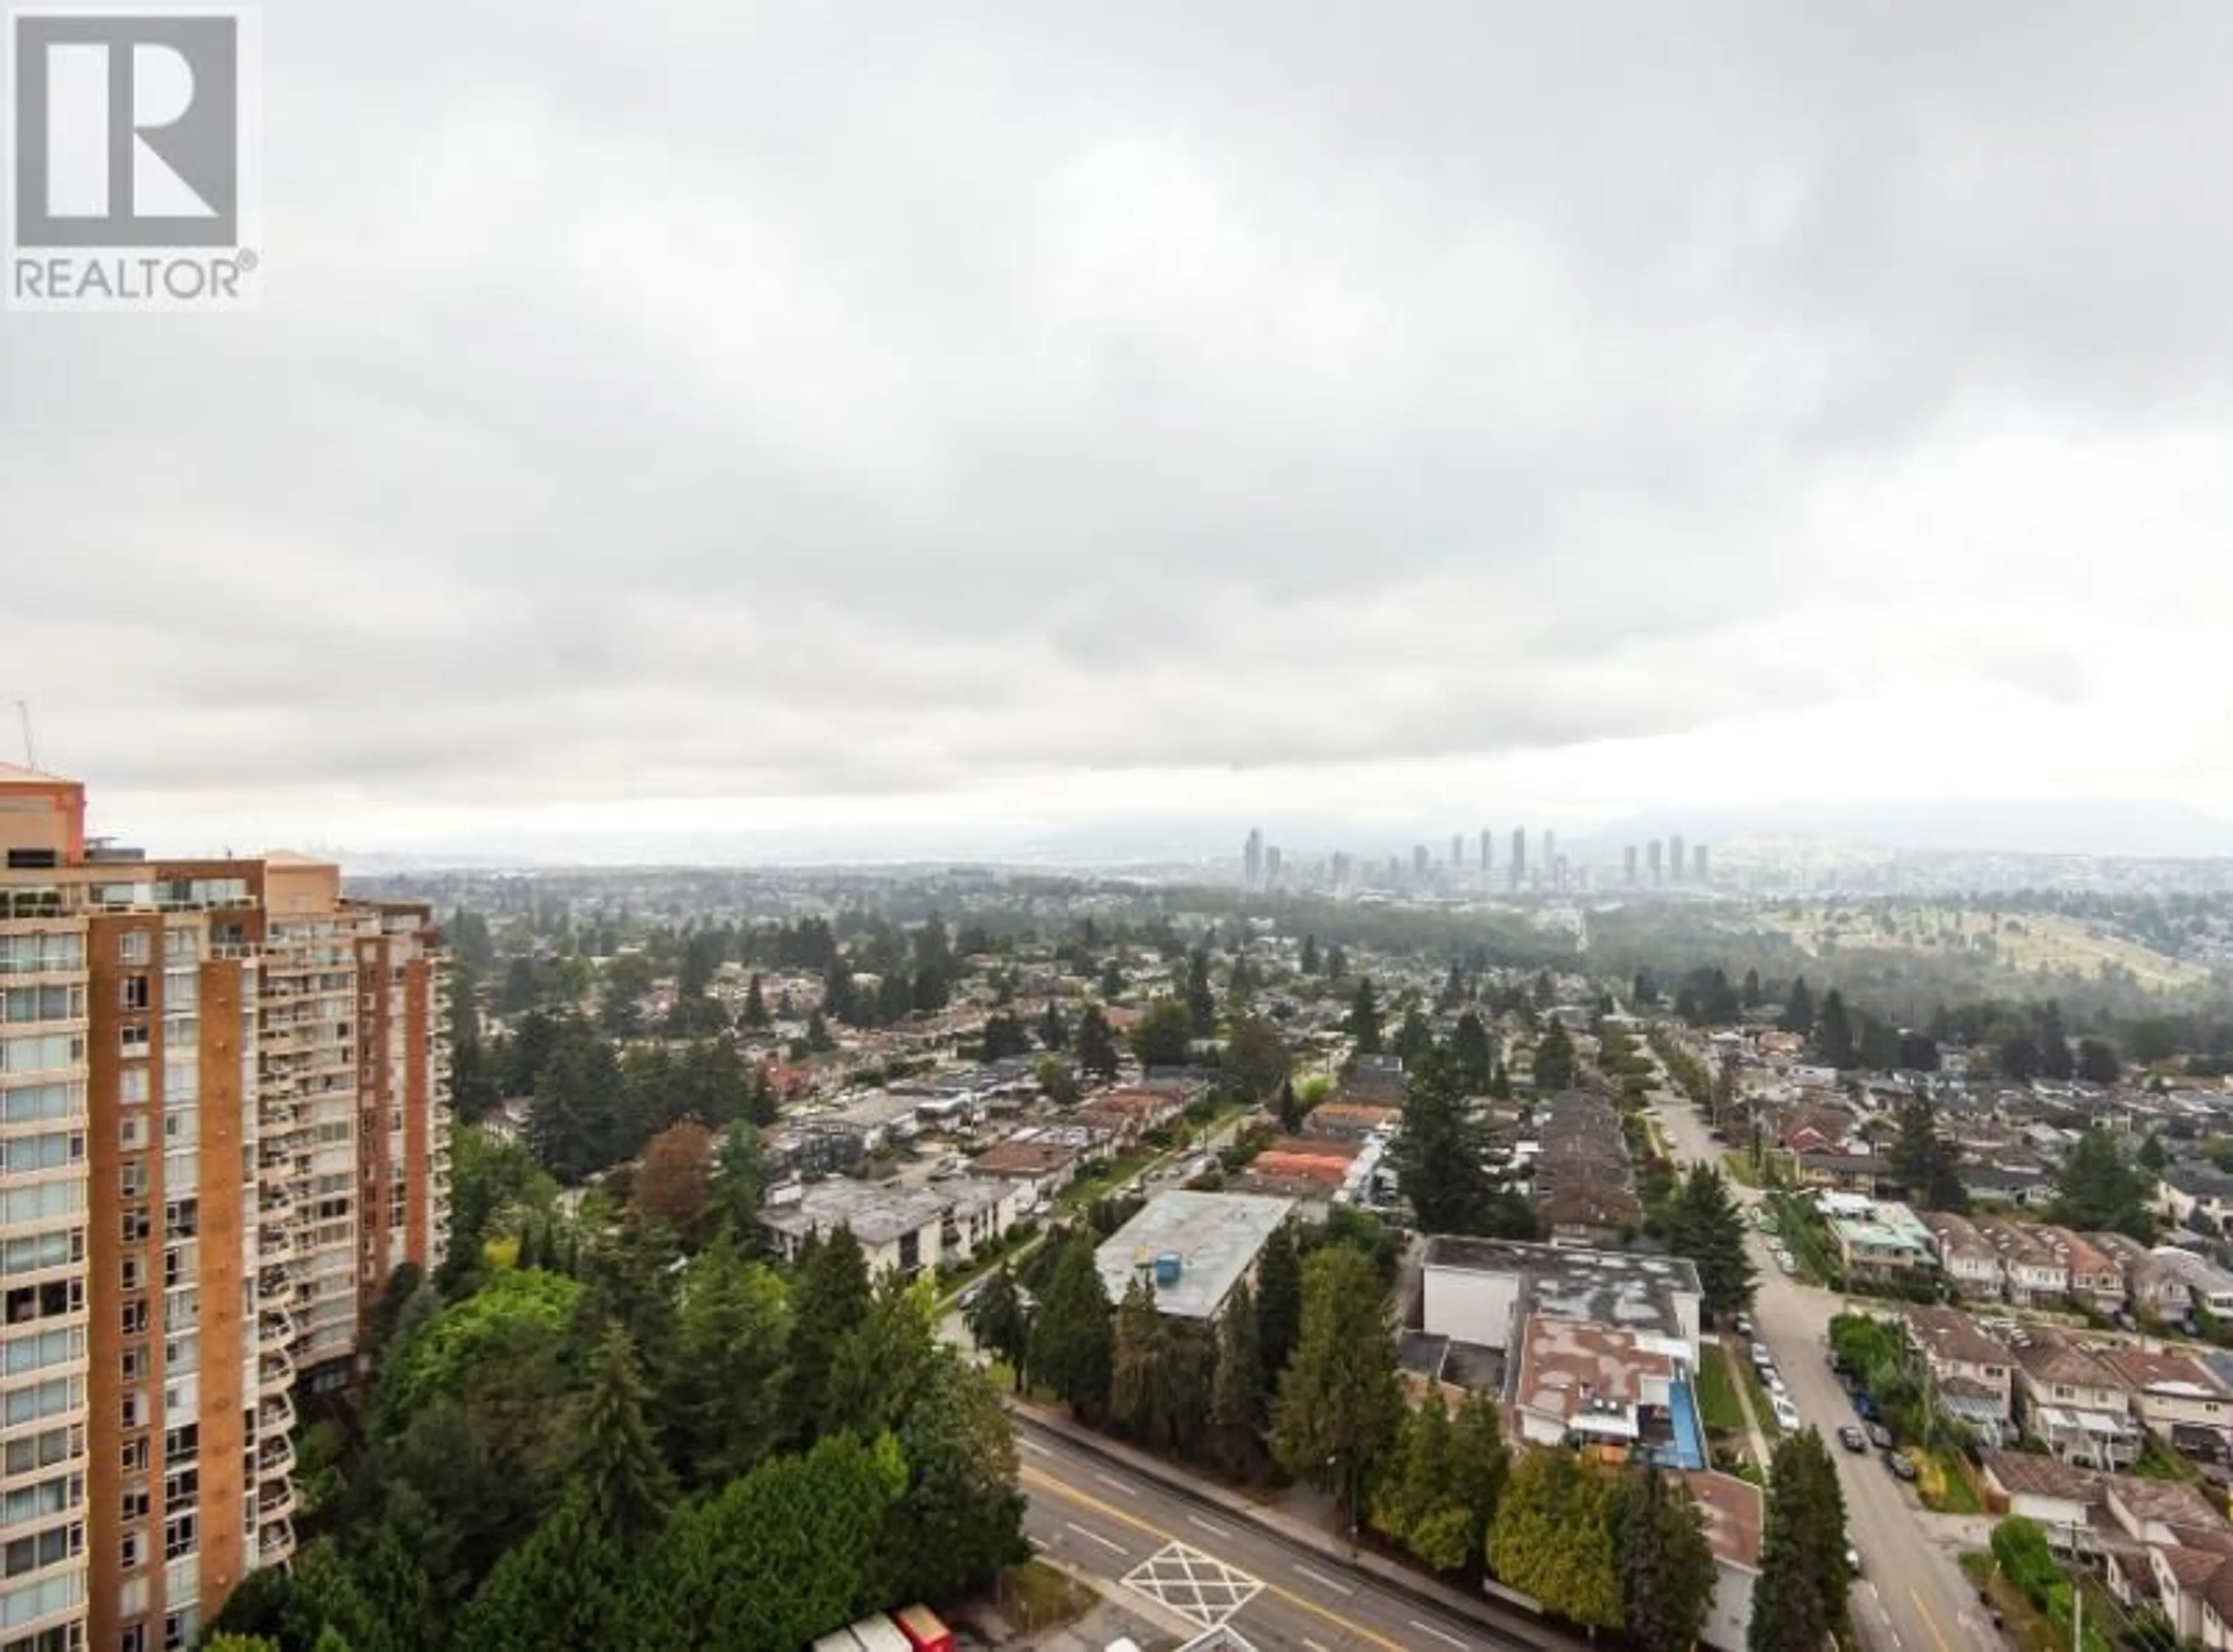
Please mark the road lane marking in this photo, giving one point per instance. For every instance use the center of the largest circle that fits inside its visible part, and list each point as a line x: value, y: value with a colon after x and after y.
x: 1429, y: 1628
x: 1320, y: 1579
x: 1929, y: 1623
x: 1116, y: 1485
x: 1095, y: 1537
x: 1034, y: 1445
x: 1309, y: 1645
x: 1348, y: 1626
x: 1210, y: 1526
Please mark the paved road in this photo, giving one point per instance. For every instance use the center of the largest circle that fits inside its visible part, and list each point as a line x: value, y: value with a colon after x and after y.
x: 1140, y: 1536
x: 1911, y: 1597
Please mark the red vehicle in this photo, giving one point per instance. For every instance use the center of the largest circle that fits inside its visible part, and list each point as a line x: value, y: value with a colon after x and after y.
x: 924, y: 1632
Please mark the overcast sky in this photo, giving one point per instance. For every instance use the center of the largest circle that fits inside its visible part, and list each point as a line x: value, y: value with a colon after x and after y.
x: 709, y: 415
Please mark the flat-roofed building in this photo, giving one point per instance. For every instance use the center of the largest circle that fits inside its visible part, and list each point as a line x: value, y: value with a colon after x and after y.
x: 1192, y: 1248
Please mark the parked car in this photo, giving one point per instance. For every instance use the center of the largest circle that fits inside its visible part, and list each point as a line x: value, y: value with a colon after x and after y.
x: 1852, y: 1439
x: 1744, y: 1326
x: 1761, y: 1359
x: 1864, y: 1406
x: 1853, y: 1560
x: 1880, y: 1437
x: 1787, y: 1414
x: 1902, y: 1465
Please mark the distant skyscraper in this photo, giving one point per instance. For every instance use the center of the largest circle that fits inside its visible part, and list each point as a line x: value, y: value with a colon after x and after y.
x: 1652, y: 852
x: 1488, y: 844
x: 1457, y: 850
x: 1675, y: 858
x: 1341, y: 872
x: 1251, y: 858
x: 1630, y: 857
x: 1271, y: 864
x: 1519, y: 855
x: 1698, y: 864
x: 1396, y: 868
x: 1550, y: 857
x: 1421, y: 860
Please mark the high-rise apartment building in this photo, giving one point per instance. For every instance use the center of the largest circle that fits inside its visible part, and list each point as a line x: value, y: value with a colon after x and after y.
x: 1251, y: 859
x: 1630, y: 856
x: 1270, y: 864
x: 1551, y: 858
x: 224, y: 1088
x: 1519, y: 855
x: 1698, y: 864
x: 1487, y: 842
x: 1457, y: 850
x: 1651, y: 854
x: 1675, y: 858
x: 1420, y: 862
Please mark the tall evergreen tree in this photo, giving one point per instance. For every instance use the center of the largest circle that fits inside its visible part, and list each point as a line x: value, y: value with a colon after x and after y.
x: 1925, y: 1161
x: 1363, y: 1025
x: 1096, y: 1046
x: 1469, y: 1047
x: 1802, y: 1563
x: 1200, y: 1001
x: 1340, y: 1401
x: 1309, y: 963
x: 1555, y: 1064
x: 1279, y: 1302
x: 1440, y: 1492
x: 1833, y: 1033
x: 997, y: 1321
x: 2055, y: 1060
x: 1705, y: 1225
x: 2096, y: 1190
x: 1667, y: 1567
x: 1439, y: 1158
x: 1053, y: 1031
x: 1797, y: 1010
x: 1073, y: 1337
x: 618, y: 1464
x: 1237, y: 1385
x: 833, y: 1297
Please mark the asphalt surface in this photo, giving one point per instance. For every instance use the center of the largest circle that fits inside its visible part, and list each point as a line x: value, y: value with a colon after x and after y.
x: 1198, y: 1564
x: 1911, y: 1595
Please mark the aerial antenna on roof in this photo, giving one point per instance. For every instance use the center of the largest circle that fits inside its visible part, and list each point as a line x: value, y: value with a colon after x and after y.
x: 30, y: 752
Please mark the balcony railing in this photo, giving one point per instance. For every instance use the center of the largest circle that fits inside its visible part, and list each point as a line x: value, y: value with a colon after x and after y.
x: 276, y: 1501
x: 276, y: 1543
x: 275, y: 1371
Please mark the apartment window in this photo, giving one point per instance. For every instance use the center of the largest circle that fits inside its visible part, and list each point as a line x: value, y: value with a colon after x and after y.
x: 57, y: 1150
x: 136, y: 1411
x: 47, y: 1399
x: 55, y: 1496
x: 136, y: 1455
x: 132, y: 1088
x: 182, y: 1444
x: 133, y: 1365
x: 50, y: 1301
x: 179, y: 1267
x: 133, y: 1639
x: 135, y: 1038
x: 135, y: 1504
x: 41, y: 1451
x: 181, y: 1218
x: 49, y: 1347
x: 137, y: 1226
x: 132, y: 946
x: 135, y: 1318
x: 181, y: 1486
x: 182, y: 989
x: 178, y: 1534
x: 135, y: 993
x: 47, y: 1548
x: 132, y: 1179
x: 132, y: 1549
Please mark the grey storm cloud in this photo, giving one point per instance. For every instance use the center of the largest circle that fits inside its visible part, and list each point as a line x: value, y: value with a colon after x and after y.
x: 736, y: 400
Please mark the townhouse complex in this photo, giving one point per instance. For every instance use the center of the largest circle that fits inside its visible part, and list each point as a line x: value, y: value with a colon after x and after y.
x: 224, y: 1095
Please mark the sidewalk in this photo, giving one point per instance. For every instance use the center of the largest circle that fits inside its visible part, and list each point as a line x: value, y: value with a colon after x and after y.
x: 1335, y: 1546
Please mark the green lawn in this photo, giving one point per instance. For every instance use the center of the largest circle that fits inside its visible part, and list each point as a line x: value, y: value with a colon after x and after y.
x: 1113, y: 1173
x: 1717, y: 1396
